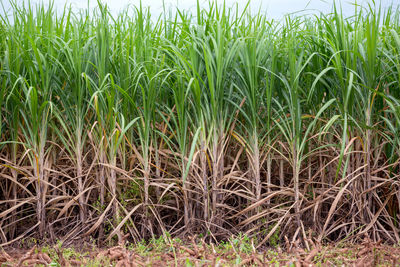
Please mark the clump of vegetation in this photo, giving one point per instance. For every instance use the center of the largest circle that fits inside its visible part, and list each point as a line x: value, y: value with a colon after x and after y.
x: 215, y: 123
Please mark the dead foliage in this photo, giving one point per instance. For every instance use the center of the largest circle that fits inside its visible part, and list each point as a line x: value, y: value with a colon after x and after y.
x: 199, y: 253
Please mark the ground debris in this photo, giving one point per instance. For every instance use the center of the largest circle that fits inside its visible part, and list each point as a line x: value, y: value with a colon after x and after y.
x: 200, y: 253
x: 122, y: 257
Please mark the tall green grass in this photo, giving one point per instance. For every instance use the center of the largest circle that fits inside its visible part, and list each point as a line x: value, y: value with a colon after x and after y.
x: 212, y: 123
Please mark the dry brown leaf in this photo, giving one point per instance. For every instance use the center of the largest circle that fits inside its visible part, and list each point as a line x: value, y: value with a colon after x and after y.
x: 311, y: 255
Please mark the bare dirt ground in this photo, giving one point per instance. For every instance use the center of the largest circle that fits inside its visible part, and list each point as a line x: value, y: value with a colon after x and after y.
x: 175, y: 252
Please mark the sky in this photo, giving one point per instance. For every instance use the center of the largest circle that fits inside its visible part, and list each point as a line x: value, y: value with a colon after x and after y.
x: 275, y: 9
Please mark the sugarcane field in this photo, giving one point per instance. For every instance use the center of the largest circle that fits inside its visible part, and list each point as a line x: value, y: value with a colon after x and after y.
x: 215, y: 135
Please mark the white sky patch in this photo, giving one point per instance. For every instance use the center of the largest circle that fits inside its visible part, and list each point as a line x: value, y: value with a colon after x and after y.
x: 275, y: 9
